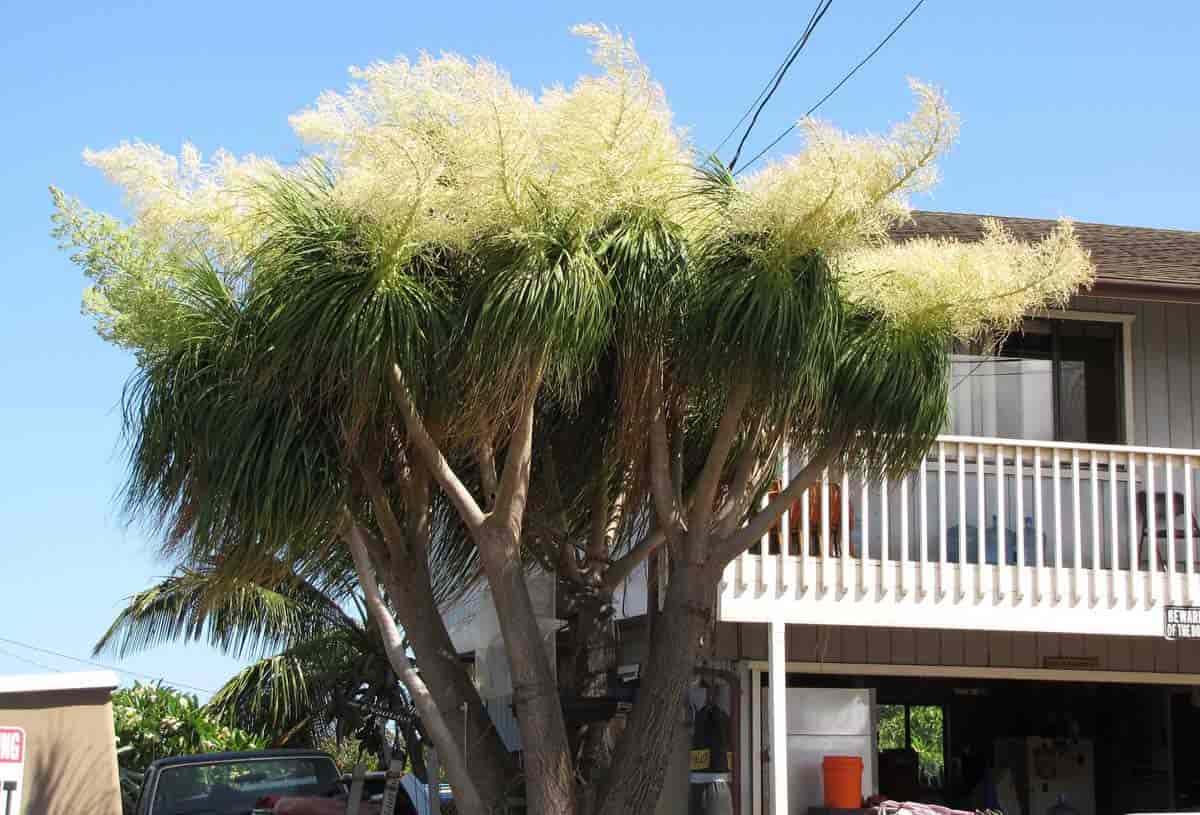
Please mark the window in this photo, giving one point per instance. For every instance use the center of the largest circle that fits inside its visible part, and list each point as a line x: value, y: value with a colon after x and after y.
x: 1054, y: 380
x: 921, y: 728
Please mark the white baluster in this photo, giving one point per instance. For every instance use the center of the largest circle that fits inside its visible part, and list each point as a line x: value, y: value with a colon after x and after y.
x: 825, y: 561
x: 962, y: 522
x: 863, y: 566
x: 1001, y: 529
x: 1056, y: 482
x: 1019, y: 522
x: 900, y: 590
x: 1169, y: 532
x: 1188, y: 515
x: 1094, y: 475
x: 981, y: 522
x: 1134, y: 544
x: 1151, y: 533
x: 1076, y: 529
x: 942, y: 513
x: 1114, y: 562
x: 845, y: 562
x: 1039, y: 545
x: 884, y: 542
x: 805, y: 542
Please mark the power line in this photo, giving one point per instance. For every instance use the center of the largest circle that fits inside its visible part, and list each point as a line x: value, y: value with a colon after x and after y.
x: 767, y: 86
x: 838, y: 86
x: 27, y: 661
x: 100, y: 665
x: 778, y: 80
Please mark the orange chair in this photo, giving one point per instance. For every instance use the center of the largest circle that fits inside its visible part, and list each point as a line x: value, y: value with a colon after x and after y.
x: 836, y: 533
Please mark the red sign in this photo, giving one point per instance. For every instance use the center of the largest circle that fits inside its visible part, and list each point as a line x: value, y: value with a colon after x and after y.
x: 12, y: 745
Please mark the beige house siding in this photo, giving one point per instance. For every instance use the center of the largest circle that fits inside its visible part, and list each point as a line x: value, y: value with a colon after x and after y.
x: 994, y: 649
x: 70, y: 751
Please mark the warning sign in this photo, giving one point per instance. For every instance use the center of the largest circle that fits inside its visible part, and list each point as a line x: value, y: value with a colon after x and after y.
x: 1181, y: 623
x: 12, y: 768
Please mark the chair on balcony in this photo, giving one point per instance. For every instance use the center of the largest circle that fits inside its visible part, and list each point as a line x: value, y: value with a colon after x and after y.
x: 795, y: 516
x: 1164, y: 530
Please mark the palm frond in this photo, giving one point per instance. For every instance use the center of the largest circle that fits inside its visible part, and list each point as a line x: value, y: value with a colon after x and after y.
x: 236, y: 614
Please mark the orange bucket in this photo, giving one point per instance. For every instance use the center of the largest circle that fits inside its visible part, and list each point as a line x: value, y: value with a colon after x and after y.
x: 842, y: 776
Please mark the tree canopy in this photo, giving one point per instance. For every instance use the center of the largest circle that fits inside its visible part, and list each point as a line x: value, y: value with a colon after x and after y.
x: 530, y: 326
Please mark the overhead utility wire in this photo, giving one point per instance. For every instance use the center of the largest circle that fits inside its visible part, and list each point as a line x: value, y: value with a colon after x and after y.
x: 28, y: 661
x: 838, y: 86
x: 102, y: 665
x: 767, y: 86
x: 778, y: 80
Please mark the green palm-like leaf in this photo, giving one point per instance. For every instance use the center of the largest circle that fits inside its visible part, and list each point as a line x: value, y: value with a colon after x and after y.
x: 238, y: 615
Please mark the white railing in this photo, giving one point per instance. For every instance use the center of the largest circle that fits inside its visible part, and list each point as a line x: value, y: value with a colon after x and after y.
x: 993, y: 534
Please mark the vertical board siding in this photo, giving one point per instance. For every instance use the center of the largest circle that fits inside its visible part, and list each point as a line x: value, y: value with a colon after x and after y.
x: 997, y: 649
x: 1165, y: 345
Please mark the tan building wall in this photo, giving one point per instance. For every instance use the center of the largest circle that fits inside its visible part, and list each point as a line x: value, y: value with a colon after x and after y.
x: 70, y: 744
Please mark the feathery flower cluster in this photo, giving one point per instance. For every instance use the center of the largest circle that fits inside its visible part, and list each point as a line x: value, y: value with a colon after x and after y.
x: 181, y: 203
x: 447, y: 151
x: 967, y: 287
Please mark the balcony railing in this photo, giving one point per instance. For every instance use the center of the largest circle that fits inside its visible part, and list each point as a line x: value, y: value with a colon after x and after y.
x: 994, y: 534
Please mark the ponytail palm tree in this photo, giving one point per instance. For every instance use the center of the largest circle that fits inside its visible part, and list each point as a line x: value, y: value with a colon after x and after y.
x: 539, y: 322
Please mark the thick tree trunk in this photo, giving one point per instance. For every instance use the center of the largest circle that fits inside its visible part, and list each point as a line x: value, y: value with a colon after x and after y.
x: 595, y: 661
x: 635, y: 781
x: 549, y: 780
x: 456, y: 696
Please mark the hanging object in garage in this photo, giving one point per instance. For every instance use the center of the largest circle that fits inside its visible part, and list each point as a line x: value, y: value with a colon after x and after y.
x: 1181, y: 623
x: 12, y: 768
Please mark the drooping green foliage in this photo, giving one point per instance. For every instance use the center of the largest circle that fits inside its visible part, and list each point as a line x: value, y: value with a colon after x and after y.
x: 320, y: 669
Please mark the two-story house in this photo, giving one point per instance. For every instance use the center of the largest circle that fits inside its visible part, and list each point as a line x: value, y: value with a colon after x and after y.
x: 1010, y: 623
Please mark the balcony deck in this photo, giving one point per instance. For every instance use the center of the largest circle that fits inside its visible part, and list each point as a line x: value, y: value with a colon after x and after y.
x: 1076, y: 538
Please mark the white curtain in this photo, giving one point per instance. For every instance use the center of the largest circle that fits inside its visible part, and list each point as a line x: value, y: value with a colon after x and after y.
x: 1001, y: 397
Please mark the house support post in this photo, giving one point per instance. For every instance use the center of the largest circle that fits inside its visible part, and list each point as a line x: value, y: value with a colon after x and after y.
x: 777, y: 672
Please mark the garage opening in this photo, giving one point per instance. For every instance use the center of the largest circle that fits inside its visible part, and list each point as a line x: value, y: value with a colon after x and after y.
x: 1029, y: 747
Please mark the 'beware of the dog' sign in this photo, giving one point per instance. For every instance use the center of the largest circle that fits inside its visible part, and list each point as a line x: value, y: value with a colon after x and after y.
x: 1181, y: 623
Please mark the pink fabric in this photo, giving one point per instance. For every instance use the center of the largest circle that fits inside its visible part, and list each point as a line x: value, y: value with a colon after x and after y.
x: 892, y: 807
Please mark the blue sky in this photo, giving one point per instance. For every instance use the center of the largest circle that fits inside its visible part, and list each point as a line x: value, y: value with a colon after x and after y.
x: 1078, y: 108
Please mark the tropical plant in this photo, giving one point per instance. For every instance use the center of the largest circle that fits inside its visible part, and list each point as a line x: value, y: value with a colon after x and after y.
x: 155, y: 721
x: 538, y: 317
x: 321, y: 674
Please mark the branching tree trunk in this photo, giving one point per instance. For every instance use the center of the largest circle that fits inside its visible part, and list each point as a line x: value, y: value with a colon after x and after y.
x: 549, y: 777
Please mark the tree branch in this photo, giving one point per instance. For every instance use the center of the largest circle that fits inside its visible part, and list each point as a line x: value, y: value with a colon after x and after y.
x: 624, y: 566
x: 670, y: 517
x: 486, y: 458
x: 513, y: 489
x: 597, y: 548
x: 709, y: 481
x: 737, y: 503
x: 389, y: 525
x: 758, y: 524
x: 468, y: 508
x: 448, y: 749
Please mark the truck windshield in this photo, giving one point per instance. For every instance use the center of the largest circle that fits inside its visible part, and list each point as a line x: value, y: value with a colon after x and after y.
x: 232, y: 787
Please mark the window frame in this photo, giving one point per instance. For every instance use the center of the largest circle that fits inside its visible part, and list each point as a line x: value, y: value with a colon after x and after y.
x: 1126, y: 359
x: 1126, y: 321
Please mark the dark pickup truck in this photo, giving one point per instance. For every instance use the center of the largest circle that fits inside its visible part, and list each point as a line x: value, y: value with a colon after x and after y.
x: 261, y: 782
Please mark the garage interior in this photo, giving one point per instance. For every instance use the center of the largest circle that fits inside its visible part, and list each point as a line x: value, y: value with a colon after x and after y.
x: 1027, y: 746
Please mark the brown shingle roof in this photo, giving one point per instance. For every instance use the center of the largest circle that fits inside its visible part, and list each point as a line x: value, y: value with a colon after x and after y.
x: 1123, y: 254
